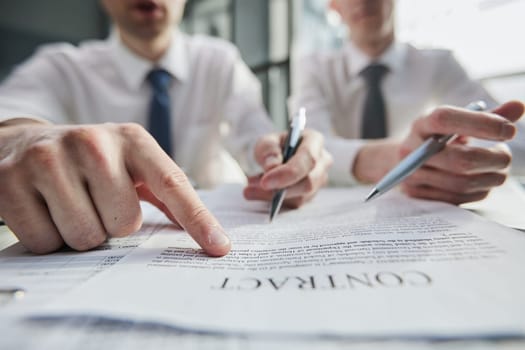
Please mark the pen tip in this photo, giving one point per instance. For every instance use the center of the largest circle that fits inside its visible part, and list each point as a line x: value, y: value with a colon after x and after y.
x: 372, y: 194
x: 271, y: 218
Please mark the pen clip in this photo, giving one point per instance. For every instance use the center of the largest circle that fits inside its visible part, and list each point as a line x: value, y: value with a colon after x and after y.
x: 297, y: 126
x: 444, y: 139
x: 293, y: 139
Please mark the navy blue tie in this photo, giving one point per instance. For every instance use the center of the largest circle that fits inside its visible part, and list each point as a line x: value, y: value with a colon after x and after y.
x: 159, y: 123
x: 374, y: 110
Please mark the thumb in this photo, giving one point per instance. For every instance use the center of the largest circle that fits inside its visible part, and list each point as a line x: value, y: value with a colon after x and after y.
x: 268, y: 152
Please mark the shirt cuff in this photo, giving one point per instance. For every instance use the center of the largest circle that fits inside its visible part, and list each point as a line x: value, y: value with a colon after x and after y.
x: 252, y: 168
x: 6, y: 118
x: 344, y: 152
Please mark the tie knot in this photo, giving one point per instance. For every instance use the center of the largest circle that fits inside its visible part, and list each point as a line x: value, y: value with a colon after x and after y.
x: 374, y: 72
x: 159, y: 79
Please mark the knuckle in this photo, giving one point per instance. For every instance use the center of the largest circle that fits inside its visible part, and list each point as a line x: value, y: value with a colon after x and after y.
x: 418, y: 177
x: 44, y: 247
x: 329, y: 159
x: 506, y: 159
x: 410, y: 190
x: 465, y: 162
x: 84, y: 234
x: 479, y: 196
x: 86, y: 240
x: 173, y: 181
x: 311, y: 158
x: 462, y: 184
x: 119, y: 231
x: 81, y: 136
x: 33, y: 239
x: 499, y: 179
x: 309, y: 185
x: 132, y: 130
x: 122, y: 226
x: 293, y: 173
x: 135, y: 136
x: 43, y: 155
x: 439, y: 118
x: 198, y: 215
x: 89, y: 142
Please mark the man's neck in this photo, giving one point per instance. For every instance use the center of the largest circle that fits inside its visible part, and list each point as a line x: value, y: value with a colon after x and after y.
x: 375, y: 48
x: 150, y: 49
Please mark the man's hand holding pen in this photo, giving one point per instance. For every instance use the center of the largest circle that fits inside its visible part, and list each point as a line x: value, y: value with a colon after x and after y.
x: 302, y: 176
x: 461, y: 172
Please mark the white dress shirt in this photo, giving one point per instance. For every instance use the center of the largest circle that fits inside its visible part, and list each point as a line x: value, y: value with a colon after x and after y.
x: 216, y: 101
x: 329, y: 86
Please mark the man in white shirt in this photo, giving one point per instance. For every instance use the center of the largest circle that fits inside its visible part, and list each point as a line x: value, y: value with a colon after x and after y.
x: 77, y: 184
x: 337, y: 87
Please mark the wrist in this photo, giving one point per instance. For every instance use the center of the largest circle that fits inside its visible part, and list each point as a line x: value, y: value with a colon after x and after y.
x: 374, y: 159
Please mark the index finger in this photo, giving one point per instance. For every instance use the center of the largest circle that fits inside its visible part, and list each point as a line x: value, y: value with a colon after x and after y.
x: 496, y: 126
x: 149, y: 164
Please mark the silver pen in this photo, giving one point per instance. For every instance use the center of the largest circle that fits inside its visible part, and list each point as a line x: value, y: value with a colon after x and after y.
x: 417, y: 158
x: 290, y: 146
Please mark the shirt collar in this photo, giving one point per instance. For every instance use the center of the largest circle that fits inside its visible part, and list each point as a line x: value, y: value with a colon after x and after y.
x: 357, y: 60
x: 134, y: 69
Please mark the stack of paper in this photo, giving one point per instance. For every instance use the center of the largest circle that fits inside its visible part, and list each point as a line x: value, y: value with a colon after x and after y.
x: 338, y: 266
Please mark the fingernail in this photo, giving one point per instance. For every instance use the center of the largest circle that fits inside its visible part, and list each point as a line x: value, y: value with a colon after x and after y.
x: 217, y: 237
x: 271, y: 161
x: 508, y: 130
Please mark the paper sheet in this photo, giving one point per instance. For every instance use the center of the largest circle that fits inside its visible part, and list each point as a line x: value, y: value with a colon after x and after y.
x: 392, y: 267
x: 44, y: 278
x: 505, y: 204
x: 7, y: 238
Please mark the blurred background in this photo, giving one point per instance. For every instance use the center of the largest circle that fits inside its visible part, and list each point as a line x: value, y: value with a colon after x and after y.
x: 487, y: 36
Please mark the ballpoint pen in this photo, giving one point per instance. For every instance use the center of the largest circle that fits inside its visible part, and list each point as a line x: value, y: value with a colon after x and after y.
x: 417, y: 158
x: 290, y: 146
x: 7, y: 294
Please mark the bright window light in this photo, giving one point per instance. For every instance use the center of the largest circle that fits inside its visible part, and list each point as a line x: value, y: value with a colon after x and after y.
x: 487, y: 36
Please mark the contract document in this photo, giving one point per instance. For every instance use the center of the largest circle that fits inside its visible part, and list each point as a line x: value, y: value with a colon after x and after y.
x: 43, y: 278
x: 394, y: 267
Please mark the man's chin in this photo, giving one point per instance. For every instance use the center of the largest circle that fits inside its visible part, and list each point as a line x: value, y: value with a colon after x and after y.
x: 149, y: 31
x: 369, y: 27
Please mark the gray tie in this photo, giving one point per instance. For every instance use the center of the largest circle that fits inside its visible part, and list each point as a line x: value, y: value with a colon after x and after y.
x: 374, y: 112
